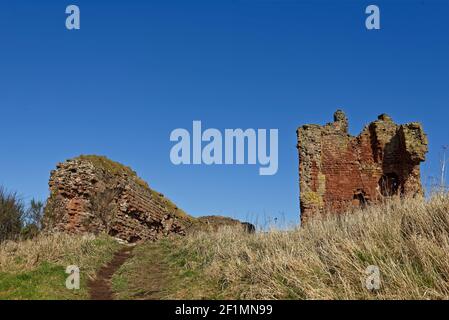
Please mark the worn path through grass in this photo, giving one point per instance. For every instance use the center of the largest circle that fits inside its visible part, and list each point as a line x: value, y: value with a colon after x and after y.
x: 100, y: 287
x: 162, y: 270
x: 144, y: 276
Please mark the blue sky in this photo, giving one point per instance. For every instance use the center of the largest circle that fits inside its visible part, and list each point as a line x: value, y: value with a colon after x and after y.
x: 139, y: 69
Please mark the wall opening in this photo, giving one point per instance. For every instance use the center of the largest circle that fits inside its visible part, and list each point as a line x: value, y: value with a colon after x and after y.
x: 134, y: 238
x: 360, y: 199
x: 389, y: 184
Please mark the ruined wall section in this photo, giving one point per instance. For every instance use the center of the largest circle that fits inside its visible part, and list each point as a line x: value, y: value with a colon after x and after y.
x: 95, y: 194
x: 339, y: 171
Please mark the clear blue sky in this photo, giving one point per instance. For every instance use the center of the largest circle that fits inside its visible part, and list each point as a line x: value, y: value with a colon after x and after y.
x: 139, y: 69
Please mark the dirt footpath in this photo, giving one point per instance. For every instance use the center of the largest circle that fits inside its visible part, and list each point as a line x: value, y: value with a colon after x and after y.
x: 100, y: 288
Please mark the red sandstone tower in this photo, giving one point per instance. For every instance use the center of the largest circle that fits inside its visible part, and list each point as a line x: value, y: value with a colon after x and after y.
x: 339, y: 171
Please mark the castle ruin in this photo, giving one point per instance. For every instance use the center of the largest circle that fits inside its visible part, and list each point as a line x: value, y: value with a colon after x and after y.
x: 339, y: 171
x: 93, y: 194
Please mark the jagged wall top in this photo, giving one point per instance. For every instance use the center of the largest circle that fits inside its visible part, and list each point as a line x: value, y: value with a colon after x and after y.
x: 339, y: 171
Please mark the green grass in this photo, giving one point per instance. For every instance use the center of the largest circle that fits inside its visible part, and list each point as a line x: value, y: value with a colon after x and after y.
x: 162, y: 270
x: 35, y: 269
x: 188, y: 280
x: 46, y: 282
x: 144, y: 275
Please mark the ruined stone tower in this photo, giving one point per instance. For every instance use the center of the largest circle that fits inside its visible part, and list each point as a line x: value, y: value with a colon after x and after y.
x: 339, y: 171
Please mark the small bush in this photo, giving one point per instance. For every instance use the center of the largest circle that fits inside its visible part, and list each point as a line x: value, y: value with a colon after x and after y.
x: 16, y: 220
x: 12, y: 213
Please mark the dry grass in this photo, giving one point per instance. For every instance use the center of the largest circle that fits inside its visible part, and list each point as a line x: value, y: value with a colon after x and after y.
x: 407, y: 239
x: 61, y: 249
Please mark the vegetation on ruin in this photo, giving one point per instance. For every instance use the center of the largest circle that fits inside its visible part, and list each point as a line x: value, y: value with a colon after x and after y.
x: 313, y: 197
x: 113, y: 167
x: 171, y: 207
x: 117, y: 168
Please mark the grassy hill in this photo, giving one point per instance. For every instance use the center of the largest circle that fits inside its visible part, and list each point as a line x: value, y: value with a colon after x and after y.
x: 407, y: 239
x: 35, y: 269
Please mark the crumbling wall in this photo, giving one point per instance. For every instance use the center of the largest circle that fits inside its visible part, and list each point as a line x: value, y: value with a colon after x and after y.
x: 339, y: 171
x: 95, y: 194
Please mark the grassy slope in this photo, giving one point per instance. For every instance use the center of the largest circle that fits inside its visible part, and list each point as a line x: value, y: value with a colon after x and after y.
x: 163, y: 270
x: 326, y: 259
x: 35, y: 269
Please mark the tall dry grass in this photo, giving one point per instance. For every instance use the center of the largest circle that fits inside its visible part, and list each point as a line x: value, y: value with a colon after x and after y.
x: 407, y: 239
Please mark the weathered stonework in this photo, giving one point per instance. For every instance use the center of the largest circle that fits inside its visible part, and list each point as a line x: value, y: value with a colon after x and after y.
x: 339, y: 171
x: 94, y: 194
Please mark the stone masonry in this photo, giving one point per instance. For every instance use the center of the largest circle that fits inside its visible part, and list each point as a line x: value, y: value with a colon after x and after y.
x: 94, y: 194
x: 339, y: 171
